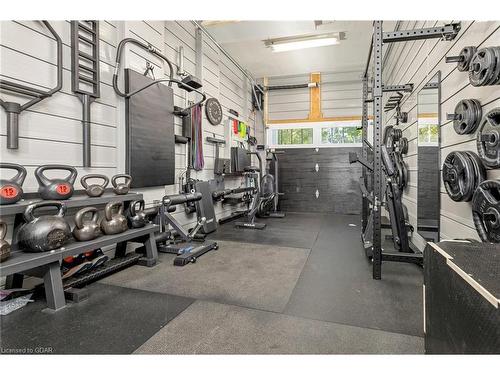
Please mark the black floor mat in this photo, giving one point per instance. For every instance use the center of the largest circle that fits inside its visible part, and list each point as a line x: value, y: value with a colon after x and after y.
x: 113, y: 320
x: 336, y: 284
x: 294, y: 230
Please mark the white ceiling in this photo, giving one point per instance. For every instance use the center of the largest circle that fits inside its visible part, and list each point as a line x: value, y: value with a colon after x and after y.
x: 244, y: 42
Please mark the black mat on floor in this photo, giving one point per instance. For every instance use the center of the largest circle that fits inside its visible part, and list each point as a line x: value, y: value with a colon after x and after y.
x: 227, y: 329
x: 113, y: 320
x: 336, y: 284
x: 294, y: 230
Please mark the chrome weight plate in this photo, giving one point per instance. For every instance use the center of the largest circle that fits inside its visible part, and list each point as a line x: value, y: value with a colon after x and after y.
x: 488, y: 139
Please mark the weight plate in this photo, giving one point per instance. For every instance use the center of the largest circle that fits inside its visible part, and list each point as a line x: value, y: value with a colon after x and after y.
x: 396, y: 134
x: 213, y: 110
x: 482, y: 67
x: 466, y: 53
x: 468, y: 116
x: 458, y: 176
x: 496, y: 76
x: 488, y: 139
x: 495, y: 70
x: 479, y: 170
x: 486, y: 210
x: 403, y: 145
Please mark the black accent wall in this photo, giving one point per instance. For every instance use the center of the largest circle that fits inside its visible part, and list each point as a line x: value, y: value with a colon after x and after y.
x: 336, y: 180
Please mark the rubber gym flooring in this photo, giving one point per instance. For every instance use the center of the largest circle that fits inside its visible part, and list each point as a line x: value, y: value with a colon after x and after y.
x: 300, y: 286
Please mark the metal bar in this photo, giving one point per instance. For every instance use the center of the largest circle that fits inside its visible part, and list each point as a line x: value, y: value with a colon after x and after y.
x: 403, y: 257
x: 377, y: 143
x: 86, y: 138
x: 365, y: 74
x: 408, y: 87
x: 224, y: 52
x: 86, y: 27
x: 86, y: 68
x: 364, y: 136
x: 446, y: 32
x: 21, y: 89
x: 86, y: 56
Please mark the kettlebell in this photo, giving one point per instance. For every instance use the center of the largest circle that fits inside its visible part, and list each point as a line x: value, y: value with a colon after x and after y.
x: 4, y: 245
x: 46, y: 232
x: 94, y: 190
x: 11, y: 190
x: 86, y: 230
x: 121, y: 188
x: 55, y: 188
x: 114, y: 221
x: 136, y: 216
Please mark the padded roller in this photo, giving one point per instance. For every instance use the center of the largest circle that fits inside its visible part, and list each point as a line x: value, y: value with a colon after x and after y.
x: 173, y: 200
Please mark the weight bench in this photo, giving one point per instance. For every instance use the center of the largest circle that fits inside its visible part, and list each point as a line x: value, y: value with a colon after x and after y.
x: 46, y: 265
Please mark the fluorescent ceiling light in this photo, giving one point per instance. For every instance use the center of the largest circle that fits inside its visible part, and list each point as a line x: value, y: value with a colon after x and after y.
x: 302, y: 42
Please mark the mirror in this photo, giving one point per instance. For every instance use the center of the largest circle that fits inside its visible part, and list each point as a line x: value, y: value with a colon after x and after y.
x: 428, y: 159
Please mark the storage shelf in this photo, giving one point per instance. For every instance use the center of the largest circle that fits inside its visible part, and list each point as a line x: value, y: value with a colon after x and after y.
x: 79, y: 199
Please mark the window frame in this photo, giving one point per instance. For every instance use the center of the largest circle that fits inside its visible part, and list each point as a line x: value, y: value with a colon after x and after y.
x: 316, y: 127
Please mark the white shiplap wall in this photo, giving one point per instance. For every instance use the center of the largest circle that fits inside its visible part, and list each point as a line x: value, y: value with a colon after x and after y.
x: 340, y: 96
x: 416, y: 62
x: 50, y: 131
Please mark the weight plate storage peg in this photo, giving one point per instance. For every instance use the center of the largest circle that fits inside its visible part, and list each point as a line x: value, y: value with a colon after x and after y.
x: 121, y: 188
x: 4, y: 245
x: 486, y: 211
x: 55, y: 188
x: 465, y: 57
x: 482, y: 67
x: 94, y: 190
x: 43, y: 233
x: 87, y: 229
x: 488, y: 139
x: 458, y: 176
x: 11, y: 189
x: 467, y: 116
x: 114, y: 221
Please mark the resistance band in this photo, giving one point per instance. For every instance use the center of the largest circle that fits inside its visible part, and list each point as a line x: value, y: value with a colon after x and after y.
x: 197, y: 139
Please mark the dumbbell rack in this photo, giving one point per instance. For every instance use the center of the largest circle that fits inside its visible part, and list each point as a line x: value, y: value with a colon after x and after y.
x: 20, y: 262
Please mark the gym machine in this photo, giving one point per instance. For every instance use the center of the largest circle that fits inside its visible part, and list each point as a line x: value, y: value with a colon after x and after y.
x: 186, y: 251
x: 253, y: 179
x: 446, y: 32
x: 269, y: 187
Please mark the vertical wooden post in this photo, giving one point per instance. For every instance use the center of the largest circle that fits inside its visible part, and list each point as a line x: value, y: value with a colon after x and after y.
x: 315, y: 98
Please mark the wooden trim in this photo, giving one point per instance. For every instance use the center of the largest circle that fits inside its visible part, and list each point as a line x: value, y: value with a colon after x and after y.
x: 427, y: 115
x: 324, y: 119
x: 315, y: 98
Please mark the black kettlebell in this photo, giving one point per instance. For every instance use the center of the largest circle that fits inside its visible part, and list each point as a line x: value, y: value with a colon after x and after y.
x: 55, y: 188
x: 94, y: 190
x: 136, y: 216
x: 114, y: 221
x: 46, y: 232
x: 86, y: 230
x: 11, y: 190
x: 121, y: 188
x: 4, y: 245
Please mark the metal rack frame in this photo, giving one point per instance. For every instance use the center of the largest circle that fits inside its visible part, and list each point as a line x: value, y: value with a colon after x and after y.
x: 447, y: 33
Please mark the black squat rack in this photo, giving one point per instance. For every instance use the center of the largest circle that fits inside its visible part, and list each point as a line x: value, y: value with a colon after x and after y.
x: 375, y: 56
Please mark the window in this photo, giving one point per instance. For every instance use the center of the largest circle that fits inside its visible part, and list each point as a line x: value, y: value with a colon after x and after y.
x: 295, y: 136
x: 428, y: 134
x: 315, y: 134
x: 340, y: 134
